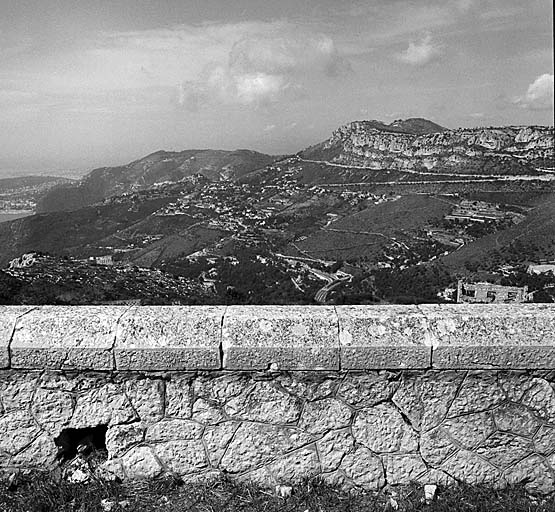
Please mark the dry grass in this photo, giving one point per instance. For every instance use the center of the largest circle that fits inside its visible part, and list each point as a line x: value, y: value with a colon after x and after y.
x: 42, y: 493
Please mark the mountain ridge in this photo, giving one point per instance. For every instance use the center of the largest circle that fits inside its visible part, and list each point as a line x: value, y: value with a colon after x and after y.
x: 367, y: 144
x: 402, y: 145
x: 159, y: 166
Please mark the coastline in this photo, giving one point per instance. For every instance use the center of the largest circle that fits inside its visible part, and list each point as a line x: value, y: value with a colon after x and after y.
x: 6, y: 216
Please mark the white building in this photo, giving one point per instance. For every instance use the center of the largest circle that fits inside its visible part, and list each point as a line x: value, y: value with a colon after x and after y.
x: 541, y: 268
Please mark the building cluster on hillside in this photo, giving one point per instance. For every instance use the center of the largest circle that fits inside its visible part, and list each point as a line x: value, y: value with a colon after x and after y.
x: 470, y: 220
x: 106, y: 259
x: 543, y: 267
x: 25, y: 260
x: 17, y: 205
x: 234, y: 207
x: 281, y: 179
x: 485, y: 293
x: 480, y: 211
x: 447, y: 237
x: 354, y: 196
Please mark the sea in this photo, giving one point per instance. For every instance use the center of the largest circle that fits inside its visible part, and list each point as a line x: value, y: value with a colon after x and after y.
x: 5, y: 217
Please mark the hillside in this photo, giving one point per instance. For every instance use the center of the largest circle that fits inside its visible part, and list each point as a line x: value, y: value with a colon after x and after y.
x: 367, y: 234
x: 62, y: 234
x: 52, y: 280
x: 214, y: 216
x: 531, y: 240
x: 159, y: 167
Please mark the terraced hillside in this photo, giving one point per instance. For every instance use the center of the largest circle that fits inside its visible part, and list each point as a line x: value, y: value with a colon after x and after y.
x: 531, y: 240
x: 367, y: 233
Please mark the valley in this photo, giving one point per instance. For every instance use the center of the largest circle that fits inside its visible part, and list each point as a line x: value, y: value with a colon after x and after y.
x: 377, y: 213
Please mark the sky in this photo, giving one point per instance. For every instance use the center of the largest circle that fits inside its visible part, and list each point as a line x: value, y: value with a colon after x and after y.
x: 92, y: 83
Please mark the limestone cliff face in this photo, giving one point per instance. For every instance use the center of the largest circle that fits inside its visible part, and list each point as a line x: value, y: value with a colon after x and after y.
x: 375, y: 145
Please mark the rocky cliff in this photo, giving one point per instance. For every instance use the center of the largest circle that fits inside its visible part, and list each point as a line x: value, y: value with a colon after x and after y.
x: 372, y: 144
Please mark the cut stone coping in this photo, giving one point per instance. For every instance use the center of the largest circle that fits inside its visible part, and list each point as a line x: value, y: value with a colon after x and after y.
x: 65, y: 337
x: 280, y: 337
x: 164, y: 338
x: 8, y: 318
x: 383, y: 337
x: 169, y: 338
x: 479, y: 336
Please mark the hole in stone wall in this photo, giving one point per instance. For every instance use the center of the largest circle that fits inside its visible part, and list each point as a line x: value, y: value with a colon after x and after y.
x: 83, y: 441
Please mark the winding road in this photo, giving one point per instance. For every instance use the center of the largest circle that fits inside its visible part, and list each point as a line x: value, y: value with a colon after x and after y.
x: 549, y: 176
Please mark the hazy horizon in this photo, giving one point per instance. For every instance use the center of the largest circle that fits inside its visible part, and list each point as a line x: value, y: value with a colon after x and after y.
x: 90, y: 84
x: 76, y: 173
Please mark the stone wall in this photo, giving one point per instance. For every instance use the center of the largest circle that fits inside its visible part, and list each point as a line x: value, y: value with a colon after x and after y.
x: 361, y: 396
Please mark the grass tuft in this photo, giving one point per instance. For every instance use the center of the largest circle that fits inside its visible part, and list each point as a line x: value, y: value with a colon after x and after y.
x: 41, y: 492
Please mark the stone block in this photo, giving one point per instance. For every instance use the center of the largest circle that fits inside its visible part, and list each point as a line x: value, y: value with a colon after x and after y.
x: 255, y: 444
x: 383, y: 337
x: 520, y: 336
x: 216, y: 439
x: 8, y: 318
x: 169, y: 338
x: 146, y: 397
x: 206, y: 412
x: 295, y: 467
x: 41, y: 452
x: 174, y: 430
x: 384, y: 430
x: 470, y: 468
x: 402, y: 469
x: 364, y: 469
x: 366, y: 389
x: 280, y: 337
x: 17, y: 430
x: 106, y: 405
x: 52, y: 409
x: 141, y: 464
x: 333, y: 446
x: 534, y: 473
x: 119, y: 438
x: 182, y: 457
x: 504, y: 450
x: 264, y: 403
x: 544, y: 441
x: 66, y: 337
x: 324, y: 415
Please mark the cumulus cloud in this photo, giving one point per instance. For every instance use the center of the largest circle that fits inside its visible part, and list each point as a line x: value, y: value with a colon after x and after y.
x: 285, y: 53
x: 421, y: 52
x: 265, y: 66
x: 539, y: 95
x: 244, y: 63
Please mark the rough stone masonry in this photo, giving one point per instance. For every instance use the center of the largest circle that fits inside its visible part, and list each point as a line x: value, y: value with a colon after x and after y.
x: 360, y: 396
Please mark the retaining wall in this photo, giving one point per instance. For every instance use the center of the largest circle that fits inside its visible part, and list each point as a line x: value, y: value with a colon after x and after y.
x: 361, y: 396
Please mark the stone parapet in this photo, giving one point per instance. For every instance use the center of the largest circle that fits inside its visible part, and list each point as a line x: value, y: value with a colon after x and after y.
x: 321, y: 338
x: 363, y: 397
